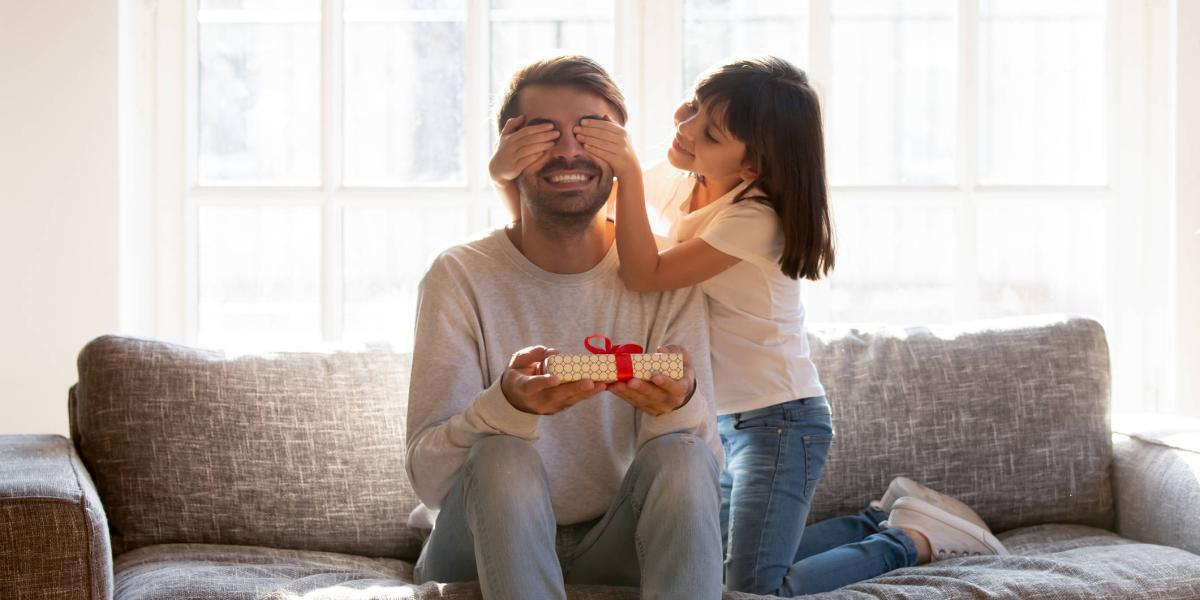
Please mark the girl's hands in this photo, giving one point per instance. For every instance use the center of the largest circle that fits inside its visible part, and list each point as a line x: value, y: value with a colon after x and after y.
x: 609, y: 142
x: 520, y: 147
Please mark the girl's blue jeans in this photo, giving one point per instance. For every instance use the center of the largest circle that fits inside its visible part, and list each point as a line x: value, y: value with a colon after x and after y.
x: 773, y: 459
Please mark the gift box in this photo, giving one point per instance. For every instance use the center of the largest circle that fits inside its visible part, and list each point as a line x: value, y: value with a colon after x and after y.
x: 612, y: 363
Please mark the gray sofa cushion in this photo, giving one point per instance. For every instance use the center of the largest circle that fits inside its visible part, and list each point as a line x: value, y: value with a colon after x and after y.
x: 1012, y: 419
x: 287, y: 451
x: 1059, y: 562
x: 1049, y: 562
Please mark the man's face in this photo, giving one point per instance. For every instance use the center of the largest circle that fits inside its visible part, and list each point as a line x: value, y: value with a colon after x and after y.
x: 568, y: 185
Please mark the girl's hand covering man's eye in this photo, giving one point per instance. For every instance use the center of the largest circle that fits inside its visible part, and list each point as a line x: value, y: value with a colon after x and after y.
x: 609, y: 142
x: 520, y: 147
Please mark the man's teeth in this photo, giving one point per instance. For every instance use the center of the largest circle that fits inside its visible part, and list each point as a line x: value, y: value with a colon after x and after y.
x: 569, y: 178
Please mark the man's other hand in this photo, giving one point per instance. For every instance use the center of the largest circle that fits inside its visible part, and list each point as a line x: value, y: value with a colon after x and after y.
x: 527, y: 390
x: 661, y: 394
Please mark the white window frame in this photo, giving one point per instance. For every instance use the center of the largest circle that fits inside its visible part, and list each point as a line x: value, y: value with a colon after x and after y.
x: 1137, y: 331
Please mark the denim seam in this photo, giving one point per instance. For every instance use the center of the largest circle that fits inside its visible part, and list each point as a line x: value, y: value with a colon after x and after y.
x: 780, y: 451
x: 472, y: 524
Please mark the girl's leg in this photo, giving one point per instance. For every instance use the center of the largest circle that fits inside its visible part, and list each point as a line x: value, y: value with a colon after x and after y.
x: 839, y: 531
x: 879, y: 553
x: 775, y: 457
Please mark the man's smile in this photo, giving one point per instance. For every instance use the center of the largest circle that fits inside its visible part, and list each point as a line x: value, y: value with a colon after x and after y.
x: 568, y: 180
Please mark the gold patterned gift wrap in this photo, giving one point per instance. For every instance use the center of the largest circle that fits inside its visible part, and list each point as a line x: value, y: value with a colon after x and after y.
x: 603, y: 367
x: 612, y: 363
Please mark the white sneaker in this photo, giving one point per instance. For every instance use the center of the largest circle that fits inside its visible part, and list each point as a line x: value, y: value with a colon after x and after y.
x: 902, y: 487
x: 949, y: 536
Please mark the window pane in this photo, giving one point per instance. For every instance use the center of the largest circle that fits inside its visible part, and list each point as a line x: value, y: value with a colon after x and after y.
x: 387, y: 251
x: 715, y: 30
x: 404, y: 73
x: 259, y: 94
x: 259, y: 276
x: 1041, y: 256
x: 1041, y: 94
x: 526, y: 30
x: 892, y: 108
x: 895, y: 262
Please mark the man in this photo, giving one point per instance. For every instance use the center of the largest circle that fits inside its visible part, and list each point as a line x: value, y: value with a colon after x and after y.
x: 515, y: 460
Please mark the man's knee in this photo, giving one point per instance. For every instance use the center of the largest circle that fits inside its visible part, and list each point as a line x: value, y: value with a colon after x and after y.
x: 505, y: 465
x: 679, y: 460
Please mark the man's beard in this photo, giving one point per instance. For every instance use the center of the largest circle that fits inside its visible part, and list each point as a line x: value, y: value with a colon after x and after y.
x: 564, y: 212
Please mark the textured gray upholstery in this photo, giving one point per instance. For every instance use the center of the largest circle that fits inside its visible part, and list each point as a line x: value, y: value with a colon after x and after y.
x: 1157, y: 472
x: 281, y: 476
x: 1010, y: 416
x: 287, y: 451
x: 53, y: 534
x: 1050, y: 562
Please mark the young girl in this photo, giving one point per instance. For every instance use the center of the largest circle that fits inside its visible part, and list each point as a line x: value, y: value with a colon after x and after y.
x: 744, y: 194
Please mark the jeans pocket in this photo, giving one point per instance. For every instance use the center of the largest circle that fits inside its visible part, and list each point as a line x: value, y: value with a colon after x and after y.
x: 816, y: 452
x: 772, y: 418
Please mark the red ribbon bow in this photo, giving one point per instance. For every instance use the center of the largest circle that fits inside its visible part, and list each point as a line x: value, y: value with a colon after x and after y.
x: 621, y: 353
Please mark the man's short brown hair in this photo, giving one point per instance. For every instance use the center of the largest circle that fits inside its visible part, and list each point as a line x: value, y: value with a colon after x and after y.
x: 572, y: 70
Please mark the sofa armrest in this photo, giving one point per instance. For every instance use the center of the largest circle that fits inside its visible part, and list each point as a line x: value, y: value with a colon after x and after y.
x: 1156, y: 476
x: 54, y: 540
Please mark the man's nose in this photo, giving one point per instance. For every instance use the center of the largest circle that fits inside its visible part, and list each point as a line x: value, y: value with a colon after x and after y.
x: 567, y: 147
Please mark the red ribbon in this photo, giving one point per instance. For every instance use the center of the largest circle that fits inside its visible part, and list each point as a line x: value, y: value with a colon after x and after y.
x: 620, y: 353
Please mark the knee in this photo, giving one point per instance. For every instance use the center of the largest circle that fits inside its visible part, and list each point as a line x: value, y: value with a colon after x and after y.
x: 679, y: 461
x: 504, y: 464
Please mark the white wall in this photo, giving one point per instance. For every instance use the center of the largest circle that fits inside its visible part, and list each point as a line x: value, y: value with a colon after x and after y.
x: 1187, y: 207
x: 59, y: 200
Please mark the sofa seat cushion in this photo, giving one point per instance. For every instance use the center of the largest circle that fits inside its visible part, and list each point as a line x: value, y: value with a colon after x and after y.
x: 1048, y: 562
x: 216, y: 572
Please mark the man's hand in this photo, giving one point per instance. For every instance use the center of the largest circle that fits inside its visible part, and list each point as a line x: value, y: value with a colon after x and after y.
x: 661, y: 394
x: 609, y: 142
x: 530, y: 392
x: 520, y: 147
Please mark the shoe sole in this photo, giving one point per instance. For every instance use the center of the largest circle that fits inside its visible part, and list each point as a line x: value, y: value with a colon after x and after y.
x: 916, y: 512
x: 903, y: 486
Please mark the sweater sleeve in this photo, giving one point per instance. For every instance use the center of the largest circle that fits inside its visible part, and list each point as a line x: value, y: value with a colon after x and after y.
x: 453, y: 399
x: 683, y: 322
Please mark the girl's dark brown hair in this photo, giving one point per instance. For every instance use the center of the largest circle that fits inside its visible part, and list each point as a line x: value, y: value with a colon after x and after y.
x: 768, y: 105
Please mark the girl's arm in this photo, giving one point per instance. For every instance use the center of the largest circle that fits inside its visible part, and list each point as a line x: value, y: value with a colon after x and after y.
x: 643, y: 267
x: 519, y: 147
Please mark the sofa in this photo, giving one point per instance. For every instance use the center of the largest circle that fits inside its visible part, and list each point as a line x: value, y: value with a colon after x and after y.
x: 190, y: 474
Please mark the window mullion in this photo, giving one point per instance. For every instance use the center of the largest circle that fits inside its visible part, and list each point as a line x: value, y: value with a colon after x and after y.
x: 661, y: 75
x: 477, y: 108
x: 191, y: 153
x: 331, y: 170
x: 967, y: 286
x: 819, y: 51
x: 628, y: 44
x: 818, y: 296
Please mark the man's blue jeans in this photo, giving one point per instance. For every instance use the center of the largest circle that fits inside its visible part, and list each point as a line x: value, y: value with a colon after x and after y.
x: 774, y: 457
x: 661, y: 532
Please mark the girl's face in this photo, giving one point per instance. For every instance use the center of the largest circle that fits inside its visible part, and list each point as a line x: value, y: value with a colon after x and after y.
x: 703, y: 146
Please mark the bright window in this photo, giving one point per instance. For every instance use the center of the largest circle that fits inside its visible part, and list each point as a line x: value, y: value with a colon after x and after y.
x: 335, y: 146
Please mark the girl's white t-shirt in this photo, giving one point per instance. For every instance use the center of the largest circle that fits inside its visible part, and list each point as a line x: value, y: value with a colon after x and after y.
x: 760, y: 353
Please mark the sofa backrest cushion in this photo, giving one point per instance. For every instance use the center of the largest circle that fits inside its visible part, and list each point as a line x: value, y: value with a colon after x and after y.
x: 298, y: 450
x: 1010, y: 416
